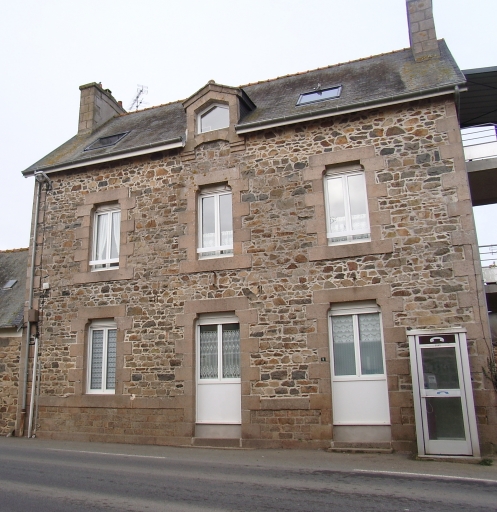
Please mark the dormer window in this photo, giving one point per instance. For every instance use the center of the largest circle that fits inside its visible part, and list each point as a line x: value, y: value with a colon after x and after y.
x: 319, y: 94
x: 214, y: 118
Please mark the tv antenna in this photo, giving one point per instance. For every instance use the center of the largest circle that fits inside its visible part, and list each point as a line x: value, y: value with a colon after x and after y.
x: 138, y: 100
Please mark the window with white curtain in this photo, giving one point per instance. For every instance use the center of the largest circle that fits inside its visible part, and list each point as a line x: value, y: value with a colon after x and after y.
x: 106, y: 238
x: 218, y: 349
x: 347, y: 217
x: 102, y: 346
x: 215, y: 223
x: 357, y: 342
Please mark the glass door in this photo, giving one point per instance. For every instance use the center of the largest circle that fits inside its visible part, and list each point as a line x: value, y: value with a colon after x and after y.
x: 442, y: 393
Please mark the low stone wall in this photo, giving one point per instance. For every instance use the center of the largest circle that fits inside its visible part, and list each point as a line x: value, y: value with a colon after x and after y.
x: 10, y: 349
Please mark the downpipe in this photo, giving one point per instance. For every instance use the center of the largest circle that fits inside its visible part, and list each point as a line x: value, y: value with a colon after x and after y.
x: 34, y: 385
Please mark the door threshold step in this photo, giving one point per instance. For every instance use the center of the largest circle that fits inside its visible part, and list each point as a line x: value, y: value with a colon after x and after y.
x: 207, y: 442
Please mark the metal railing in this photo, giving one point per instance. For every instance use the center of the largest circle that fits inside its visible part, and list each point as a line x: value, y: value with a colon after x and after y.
x: 488, y: 258
x: 480, y: 141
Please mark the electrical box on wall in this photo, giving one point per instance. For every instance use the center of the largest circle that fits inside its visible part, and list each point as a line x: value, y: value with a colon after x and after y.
x: 33, y: 315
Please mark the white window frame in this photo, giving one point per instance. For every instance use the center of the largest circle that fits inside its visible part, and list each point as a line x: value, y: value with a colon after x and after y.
x: 352, y: 236
x: 106, y: 326
x: 219, y: 321
x: 354, y: 310
x: 218, y: 250
x: 211, y: 107
x: 107, y: 262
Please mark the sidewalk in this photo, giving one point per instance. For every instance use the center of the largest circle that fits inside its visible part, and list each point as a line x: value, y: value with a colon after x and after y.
x: 398, y: 465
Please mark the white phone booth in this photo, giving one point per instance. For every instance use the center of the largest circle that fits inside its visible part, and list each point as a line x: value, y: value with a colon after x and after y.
x: 443, y: 395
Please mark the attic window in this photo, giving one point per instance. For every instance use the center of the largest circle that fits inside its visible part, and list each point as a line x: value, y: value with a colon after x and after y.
x: 214, y: 118
x: 103, y: 142
x: 9, y: 284
x: 319, y: 95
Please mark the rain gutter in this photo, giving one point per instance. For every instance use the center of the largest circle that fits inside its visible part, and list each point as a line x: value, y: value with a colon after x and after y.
x: 177, y: 142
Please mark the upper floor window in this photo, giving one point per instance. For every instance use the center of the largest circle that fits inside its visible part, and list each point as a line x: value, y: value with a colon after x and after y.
x: 346, y: 201
x: 106, y: 238
x: 215, y: 222
x: 102, y: 344
x: 214, y: 118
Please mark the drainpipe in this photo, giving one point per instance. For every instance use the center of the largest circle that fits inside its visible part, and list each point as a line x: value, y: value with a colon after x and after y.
x: 40, y: 178
x: 33, y: 388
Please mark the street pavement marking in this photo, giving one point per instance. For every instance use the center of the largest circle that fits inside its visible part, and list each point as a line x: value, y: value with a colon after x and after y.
x: 378, y: 472
x: 426, y: 475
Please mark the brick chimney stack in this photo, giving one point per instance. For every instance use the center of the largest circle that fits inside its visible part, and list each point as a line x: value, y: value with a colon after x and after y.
x: 97, y: 106
x: 422, y: 35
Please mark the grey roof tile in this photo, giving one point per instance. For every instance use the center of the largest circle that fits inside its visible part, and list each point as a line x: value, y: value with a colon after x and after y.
x: 13, y: 265
x: 365, y: 82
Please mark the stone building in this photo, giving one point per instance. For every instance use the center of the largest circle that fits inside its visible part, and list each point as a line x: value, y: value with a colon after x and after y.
x: 249, y: 266
x: 13, y: 265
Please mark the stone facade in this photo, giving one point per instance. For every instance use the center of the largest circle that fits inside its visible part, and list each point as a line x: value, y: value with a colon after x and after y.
x: 419, y: 267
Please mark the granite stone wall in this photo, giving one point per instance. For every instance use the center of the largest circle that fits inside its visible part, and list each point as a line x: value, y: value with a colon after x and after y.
x: 419, y: 266
x: 10, y: 350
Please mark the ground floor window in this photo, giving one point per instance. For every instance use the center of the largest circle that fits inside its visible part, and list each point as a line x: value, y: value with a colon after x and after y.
x: 102, y: 347
x: 357, y: 340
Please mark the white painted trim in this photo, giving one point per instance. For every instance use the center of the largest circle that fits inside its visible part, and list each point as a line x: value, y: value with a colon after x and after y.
x: 111, y: 158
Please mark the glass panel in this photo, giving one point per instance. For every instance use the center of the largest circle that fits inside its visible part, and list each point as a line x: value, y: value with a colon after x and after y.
x: 97, y: 354
x: 116, y: 228
x: 102, y: 236
x: 440, y: 368
x: 214, y: 119
x: 343, y: 345
x: 231, y: 351
x: 111, y: 359
x: 445, y: 420
x: 208, y: 352
x: 325, y: 94
x: 358, y: 202
x: 226, y: 221
x: 370, y: 344
x: 336, y: 205
x: 208, y: 222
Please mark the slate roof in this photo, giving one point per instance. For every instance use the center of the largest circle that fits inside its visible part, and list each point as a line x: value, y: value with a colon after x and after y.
x: 366, y: 83
x: 13, y: 265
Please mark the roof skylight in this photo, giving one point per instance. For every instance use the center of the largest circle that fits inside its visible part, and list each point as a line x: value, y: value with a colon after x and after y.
x: 9, y: 284
x: 319, y: 95
x: 103, y: 142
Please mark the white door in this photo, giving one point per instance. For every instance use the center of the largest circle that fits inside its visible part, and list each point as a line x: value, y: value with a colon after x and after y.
x: 359, y: 385
x: 444, y: 416
x: 218, y: 370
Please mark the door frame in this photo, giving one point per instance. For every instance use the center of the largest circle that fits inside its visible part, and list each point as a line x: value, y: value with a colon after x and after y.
x: 425, y: 446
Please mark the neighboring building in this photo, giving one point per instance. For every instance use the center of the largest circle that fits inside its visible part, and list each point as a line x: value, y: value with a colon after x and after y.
x: 13, y: 267
x: 290, y: 263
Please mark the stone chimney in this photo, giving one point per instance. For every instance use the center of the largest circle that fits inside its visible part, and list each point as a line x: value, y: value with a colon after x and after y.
x: 96, y: 107
x: 422, y: 35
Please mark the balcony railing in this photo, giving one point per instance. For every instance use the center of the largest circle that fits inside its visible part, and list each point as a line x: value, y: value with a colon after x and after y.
x: 480, y: 141
x: 488, y: 258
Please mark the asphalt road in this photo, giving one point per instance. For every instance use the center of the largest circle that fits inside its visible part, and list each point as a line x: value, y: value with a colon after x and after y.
x: 50, y: 477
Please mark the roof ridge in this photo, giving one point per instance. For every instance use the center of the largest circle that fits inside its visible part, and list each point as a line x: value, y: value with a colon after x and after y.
x: 325, y: 67
x: 6, y: 251
x: 150, y: 108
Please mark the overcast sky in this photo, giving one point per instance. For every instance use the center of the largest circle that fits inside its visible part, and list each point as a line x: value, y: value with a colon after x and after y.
x: 48, y: 48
